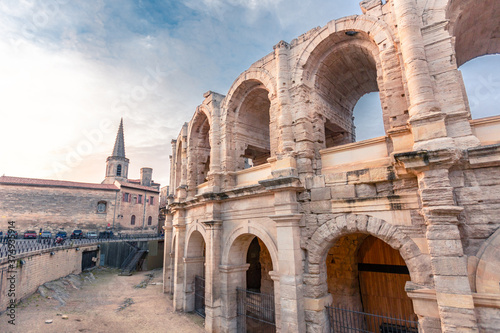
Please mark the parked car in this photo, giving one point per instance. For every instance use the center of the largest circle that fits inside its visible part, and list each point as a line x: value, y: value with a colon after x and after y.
x: 11, y: 233
x: 76, y: 234
x: 30, y: 234
x: 106, y: 234
x: 62, y: 234
x: 46, y: 235
x: 91, y: 234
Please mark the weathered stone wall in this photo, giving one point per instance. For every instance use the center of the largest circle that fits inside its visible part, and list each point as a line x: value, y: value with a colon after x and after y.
x: 428, y: 188
x: 39, y: 267
x: 54, y: 208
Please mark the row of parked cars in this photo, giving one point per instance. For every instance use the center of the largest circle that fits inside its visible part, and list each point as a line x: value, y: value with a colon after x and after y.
x: 76, y: 234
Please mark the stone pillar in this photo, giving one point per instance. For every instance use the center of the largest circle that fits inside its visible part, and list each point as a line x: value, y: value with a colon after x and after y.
x: 212, y: 276
x: 167, y: 260
x: 231, y: 277
x: 426, y: 118
x: 277, y: 299
x: 290, y: 273
x: 448, y: 262
x: 192, y: 267
x: 281, y: 51
x: 180, y: 239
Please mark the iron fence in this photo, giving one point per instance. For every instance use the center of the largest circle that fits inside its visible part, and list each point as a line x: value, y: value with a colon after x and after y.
x: 199, y: 295
x: 256, y: 312
x: 21, y: 246
x: 351, y: 321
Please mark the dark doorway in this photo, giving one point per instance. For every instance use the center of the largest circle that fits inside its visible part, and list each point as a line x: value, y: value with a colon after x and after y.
x: 254, y: 272
x: 88, y: 260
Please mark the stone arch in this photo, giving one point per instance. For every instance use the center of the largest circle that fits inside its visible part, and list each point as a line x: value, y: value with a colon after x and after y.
x: 178, y: 164
x: 418, y: 263
x: 316, y: 284
x: 249, y: 120
x: 487, y: 271
x: 345, y: 60
x: 199, y: 147
x: 233, y: 97
x: 194, y: 265
x: 194, y: 229
x: 234, y: 251
x: 474, y: 25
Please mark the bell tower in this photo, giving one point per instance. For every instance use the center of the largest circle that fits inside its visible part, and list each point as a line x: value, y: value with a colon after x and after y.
x: 117, y: 163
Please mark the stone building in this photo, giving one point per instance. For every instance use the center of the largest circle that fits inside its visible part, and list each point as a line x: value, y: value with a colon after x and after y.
x: 118, y: 203
x: 406, y: 224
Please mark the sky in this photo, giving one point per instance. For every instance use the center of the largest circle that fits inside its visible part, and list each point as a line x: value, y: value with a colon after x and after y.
x: 71, y: 69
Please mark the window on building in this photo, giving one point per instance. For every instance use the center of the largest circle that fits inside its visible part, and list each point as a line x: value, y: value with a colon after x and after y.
x: 126, y: 197
x: 101, y: 207
x: 152, y: 200
x: 139, y: 199
x: 150, y: 220
x: 119, y: 170
x: 132, y: 220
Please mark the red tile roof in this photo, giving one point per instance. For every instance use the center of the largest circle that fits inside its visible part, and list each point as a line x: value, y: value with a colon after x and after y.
x: 6, y: 180
x: 137, y: 186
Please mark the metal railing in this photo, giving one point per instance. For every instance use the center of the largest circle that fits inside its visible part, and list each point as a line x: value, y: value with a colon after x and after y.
x: 199, y: 295
x: 351, y: 321
x: 21, y: 246
x: 256, y: 312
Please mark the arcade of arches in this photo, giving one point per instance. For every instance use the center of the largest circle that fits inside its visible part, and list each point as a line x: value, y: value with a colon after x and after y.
x: 282, y: 211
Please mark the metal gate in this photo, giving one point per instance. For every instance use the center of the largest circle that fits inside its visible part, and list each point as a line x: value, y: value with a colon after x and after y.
x: 199, y: 295
x: 350, y: 321
x: 87, y: 261
x: 256, y: 312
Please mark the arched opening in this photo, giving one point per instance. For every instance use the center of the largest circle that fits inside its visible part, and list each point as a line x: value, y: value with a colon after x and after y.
x: 132, y: 220
x: 194, y: 274
x: 366, y: 275
x: 200, y: 149
x: 346, y: 71
x: 482, y: 83
x: 252, y: 134
x: 150, y: 220
x: 366, y: 125
x: 178, y: 165
x: 476, y: 29
x: 249, y: 273
x: 119, y: 170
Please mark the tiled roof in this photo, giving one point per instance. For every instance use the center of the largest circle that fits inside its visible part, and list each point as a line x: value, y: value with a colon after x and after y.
x: 137, y: 186
x: 6, y: 180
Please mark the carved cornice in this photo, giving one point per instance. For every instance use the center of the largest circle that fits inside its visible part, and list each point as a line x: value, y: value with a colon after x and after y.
x: 424, y: 160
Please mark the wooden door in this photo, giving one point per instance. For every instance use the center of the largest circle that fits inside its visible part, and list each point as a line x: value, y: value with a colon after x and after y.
x: 382, y: 277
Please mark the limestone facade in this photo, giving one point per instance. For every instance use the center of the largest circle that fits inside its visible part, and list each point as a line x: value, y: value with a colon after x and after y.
x: 276, y: 159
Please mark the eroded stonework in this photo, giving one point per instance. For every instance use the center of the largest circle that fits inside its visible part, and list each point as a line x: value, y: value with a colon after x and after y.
x: 277, y: 159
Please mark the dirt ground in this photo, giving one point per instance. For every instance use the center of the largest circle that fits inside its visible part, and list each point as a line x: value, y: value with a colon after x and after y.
x: 108, y: 303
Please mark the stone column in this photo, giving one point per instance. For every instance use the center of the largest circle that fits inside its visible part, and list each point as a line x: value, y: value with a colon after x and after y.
x: 180, y: 239
x: 281, y: 51
x: 448, y: 262
x: 167, y: 260
x: 192, y: 267
x: 212, y: 276
x: 231, y: 277
x: 290, y: 273
x: 426, y: 118
x: 277, y: 299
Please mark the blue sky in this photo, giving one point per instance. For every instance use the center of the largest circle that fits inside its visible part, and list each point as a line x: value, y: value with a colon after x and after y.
x: 71, y: 69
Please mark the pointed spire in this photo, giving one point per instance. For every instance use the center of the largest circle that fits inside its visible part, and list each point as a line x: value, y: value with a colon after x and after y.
x: 119, y: 149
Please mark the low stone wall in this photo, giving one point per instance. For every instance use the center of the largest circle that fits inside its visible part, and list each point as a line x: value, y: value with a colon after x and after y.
x: 21, y: 278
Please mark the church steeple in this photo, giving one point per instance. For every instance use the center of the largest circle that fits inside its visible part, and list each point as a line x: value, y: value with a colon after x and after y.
x: 119, y: 149
x: 117, y: 163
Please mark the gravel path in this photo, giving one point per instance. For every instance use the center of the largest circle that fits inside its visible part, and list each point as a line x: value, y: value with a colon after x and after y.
x: 108, y: 303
